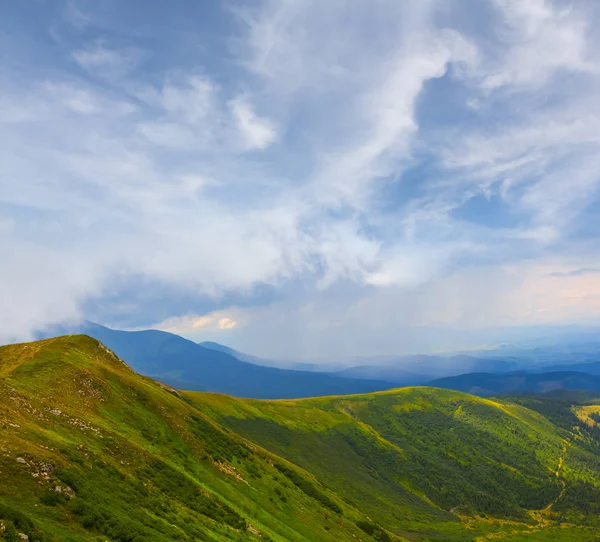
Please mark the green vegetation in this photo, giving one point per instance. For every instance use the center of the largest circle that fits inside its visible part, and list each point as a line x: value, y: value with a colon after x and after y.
x: 435, y: 464
x: 89, y: 450
x: 305, y: 486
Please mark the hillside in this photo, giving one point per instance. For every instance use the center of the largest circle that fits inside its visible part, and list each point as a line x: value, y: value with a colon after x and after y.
x: 485, y: 384
x: 182, y: 363
x: 423, y: 458
x: 90, y: 450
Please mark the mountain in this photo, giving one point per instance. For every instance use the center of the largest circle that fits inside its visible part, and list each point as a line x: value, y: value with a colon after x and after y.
x: 592, y: 368
x: 217, y: 347
x: 286, y: 364
x: 419, y: 369
x: 393, y: 375
x: 568, y: 353
x: 485, y: 384
x: 184, y: 364
x: 90, y: 450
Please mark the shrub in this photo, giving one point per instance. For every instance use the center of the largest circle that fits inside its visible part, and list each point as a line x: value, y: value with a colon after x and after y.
x: 308, y: 488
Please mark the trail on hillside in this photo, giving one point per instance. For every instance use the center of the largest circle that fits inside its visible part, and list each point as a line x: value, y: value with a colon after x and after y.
x: 559, y: 468
x: 540, y: 516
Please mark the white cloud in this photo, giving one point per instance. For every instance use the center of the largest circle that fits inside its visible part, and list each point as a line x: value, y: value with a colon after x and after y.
x: 191, y: 101
x: 168, y: 134
x: 541, y: 39
x: 6, y: 226
x: 457, y: 311
x: 227, y: 323
x: 149, y: 173
x: 103, y: 61
x: 33, y: 292
x: 198, y: 325
x: 258, y: 133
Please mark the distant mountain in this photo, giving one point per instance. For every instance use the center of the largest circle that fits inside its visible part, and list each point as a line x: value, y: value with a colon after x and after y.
x: 419, y: 369
x: 285, y: 364
x: 548, y: 357
x: 184, y: 364
x: 393, y: 375
x: 592, y: 368
x: 217, y: 347
x: 485, y: 384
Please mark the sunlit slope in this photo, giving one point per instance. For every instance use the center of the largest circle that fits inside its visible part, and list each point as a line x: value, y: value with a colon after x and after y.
x: 418, y: 459
x: 89, y: 450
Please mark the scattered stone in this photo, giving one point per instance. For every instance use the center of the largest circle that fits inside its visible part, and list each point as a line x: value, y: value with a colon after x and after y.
x: 23, y: 537
x: 47, y: 468
x: 21, y: 460
x: 65, y: 490
x: 56, y: 411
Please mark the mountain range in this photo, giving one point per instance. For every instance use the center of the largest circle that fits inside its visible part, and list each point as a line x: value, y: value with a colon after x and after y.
x: 184, y: 364
x: 91, y: 450
x: 485, y: 384
x: 210, y: 366
x: 419, y: 369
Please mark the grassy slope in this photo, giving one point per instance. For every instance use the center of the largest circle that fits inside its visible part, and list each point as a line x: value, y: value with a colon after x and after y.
x: 144, y: 465
x: 427, y: 462
x: 149, y: 463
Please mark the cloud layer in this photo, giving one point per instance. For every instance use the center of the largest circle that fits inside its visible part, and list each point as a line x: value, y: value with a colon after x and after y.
x: 300, y: 175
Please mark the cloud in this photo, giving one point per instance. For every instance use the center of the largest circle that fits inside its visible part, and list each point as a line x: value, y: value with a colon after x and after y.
x: 190, y: 101
x: 202, y: 321
x: 542, y: 39
x: 462, y: 310
x: 105, y: 62
x: 75, y: 16
x: 168, y: 134
x: 198, y: 326
x: 576, y: 272
x: 7, y: 226
x: 227, y: 323
x: 328, y: 152
x: 258, y: 133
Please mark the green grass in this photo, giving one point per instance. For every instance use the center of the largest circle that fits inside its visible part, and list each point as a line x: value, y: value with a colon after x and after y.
x: 89, y: 450
x: 141, y: 462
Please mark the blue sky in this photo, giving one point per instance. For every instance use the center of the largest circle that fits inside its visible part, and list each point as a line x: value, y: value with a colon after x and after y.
x: 299, y: 178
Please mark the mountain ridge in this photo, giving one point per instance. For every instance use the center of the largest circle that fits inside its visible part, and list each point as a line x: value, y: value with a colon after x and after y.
x: 486, y: 384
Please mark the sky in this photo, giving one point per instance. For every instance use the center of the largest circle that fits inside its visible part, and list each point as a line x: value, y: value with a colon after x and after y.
x: 298, y: 178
